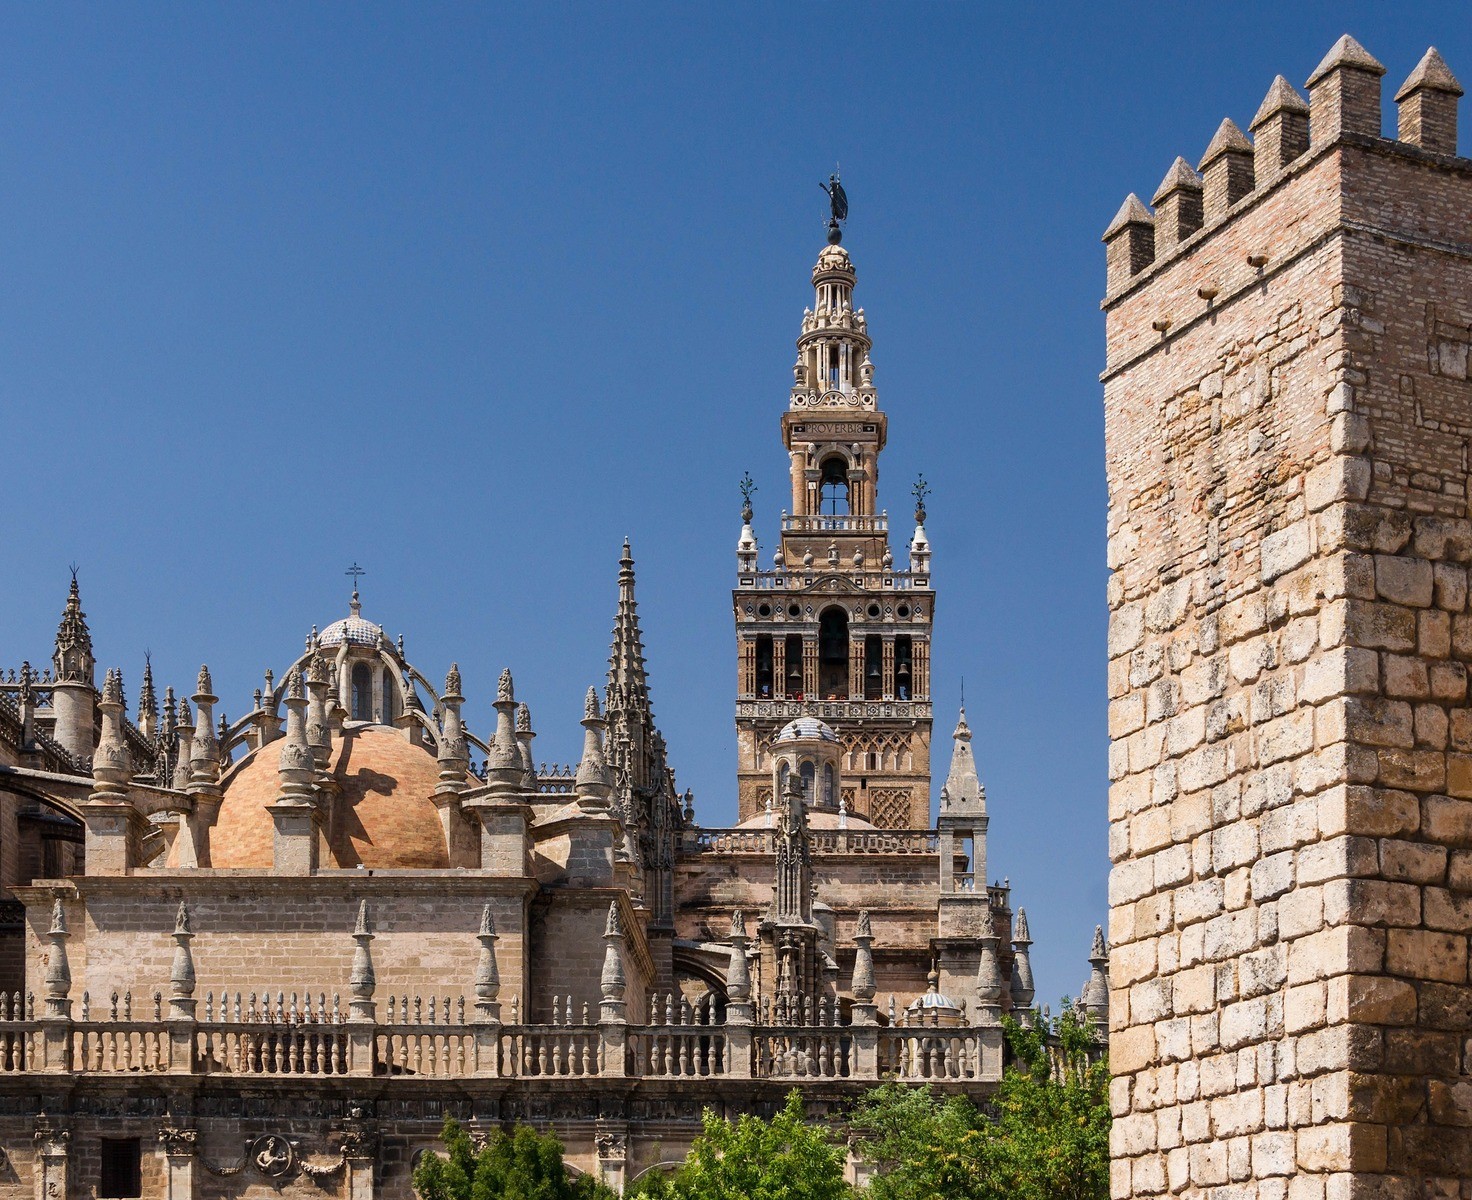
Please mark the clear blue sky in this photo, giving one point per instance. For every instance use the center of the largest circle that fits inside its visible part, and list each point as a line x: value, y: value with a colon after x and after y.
x: 466, y: 294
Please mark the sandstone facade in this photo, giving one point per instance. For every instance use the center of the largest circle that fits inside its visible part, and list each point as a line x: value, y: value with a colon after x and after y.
x: 1287, y: 421
x: 266, y: 957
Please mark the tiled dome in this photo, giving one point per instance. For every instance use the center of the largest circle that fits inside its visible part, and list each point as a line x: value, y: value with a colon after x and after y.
x: 805, y: 729
x: 355, y: 630
x: 385, y: 814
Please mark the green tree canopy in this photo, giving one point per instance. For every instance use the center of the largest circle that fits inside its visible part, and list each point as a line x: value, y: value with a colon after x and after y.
x: 785, y: 1158
x: 520, y: 1165
x: 1044, y: 1136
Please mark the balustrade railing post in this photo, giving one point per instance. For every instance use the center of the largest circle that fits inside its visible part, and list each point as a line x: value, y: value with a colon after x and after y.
x: 613, y: 1025
x: 362, y: 1010
x: 487, y: 1019
x: 181, y: 1023
x: 738, y: 1004
x: 56, y: 1017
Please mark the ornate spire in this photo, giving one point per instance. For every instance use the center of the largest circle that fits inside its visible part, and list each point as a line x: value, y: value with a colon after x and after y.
x: 613, y: 982
x: 1023, y: 990
x: 487, y: 975
x: 111, y: 765
x: 628, y: 682
x: 319, y: 733
x: 362, y: 980
x: 204, y: 754
x: 503, y: 762
x: 963, y: 792
x: 593, y: 783
x: 454, y: 753
x: 794, y: 891
x: 181, y: 974
x: 738, y: 978
x: 58, y: 979
x: 147, y: 701
x: 297, y: 764
x: 524, y: 736
x: 185, y: 727
x: 72, y: 661
x: 989, y: 976
x: 1095, y: 998
x: 863, y: 981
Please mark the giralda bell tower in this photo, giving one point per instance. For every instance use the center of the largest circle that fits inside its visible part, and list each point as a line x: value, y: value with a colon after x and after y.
x: 832, y: 627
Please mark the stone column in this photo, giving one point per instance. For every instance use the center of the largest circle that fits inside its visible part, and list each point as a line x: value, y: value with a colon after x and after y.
x: 613, y: 1148
x: 52, y: 1143
x: 180, y: 1148
x: 360, y: 1155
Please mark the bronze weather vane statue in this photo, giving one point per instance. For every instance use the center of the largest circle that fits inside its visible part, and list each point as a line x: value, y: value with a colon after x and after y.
x: 837, y: 205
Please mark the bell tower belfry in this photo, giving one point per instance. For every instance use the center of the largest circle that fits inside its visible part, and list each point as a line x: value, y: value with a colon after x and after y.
x: 834, y: 627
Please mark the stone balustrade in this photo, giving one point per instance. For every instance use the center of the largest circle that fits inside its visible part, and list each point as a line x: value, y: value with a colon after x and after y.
x: 285, y: 1038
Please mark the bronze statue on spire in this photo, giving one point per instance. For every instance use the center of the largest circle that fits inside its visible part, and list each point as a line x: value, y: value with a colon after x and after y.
x: 837, y: 206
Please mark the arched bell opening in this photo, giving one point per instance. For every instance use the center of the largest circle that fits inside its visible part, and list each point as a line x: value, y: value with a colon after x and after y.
x: 833, y: 654
x: 834, y: 498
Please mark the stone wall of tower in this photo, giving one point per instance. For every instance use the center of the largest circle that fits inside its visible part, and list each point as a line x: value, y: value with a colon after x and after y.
x: 1287, y: 423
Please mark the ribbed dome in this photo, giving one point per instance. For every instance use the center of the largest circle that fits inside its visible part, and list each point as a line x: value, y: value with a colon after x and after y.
x: 933, y: 997
x: 385, y: 816
x: 355, y: 630
x: 805, y: 729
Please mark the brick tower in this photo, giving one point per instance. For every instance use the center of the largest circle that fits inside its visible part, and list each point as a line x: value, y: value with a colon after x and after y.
x: 834, y: 629
x: 1288, y: 417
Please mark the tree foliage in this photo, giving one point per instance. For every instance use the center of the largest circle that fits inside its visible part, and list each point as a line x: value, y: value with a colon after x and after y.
x: 785, y: 1158
x: 1044, y: 1136
x: 520, y: 1165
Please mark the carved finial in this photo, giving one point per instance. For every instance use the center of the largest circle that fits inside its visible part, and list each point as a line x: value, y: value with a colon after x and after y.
x: 505, y: 689
x: 590, y: 705
x: 1097, y: 952
x: 487, y: 975
x: 294, y: 685
x: 58, y: 918
x: 738, y: 924
x: 523, y: 718
x: 204, y: 687
x: 613, y: 981
x: 452, y: 682
x: 181, y: 920
x: 361, y: 979
x: 862, y: 929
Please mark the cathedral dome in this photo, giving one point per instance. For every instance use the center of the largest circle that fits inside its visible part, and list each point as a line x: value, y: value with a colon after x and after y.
x: 354, y: 630
x: 805, y: 729
x: 384, y: 816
